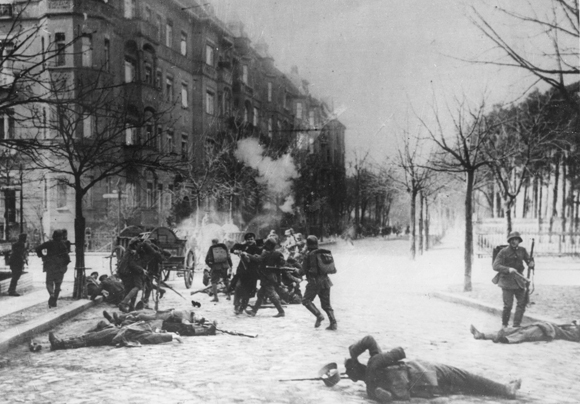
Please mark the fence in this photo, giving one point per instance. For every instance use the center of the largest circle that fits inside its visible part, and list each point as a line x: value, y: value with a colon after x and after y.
x: 546, y: 244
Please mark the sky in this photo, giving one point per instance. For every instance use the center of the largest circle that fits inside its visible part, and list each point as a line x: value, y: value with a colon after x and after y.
x: 382, y: 62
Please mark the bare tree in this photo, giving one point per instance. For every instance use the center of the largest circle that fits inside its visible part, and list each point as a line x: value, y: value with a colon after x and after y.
x: 414, y: 176
x: 461, y: 151
x: 89, y: 130
x: 554, y: 32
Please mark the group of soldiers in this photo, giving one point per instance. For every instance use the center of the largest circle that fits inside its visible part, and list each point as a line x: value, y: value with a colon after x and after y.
x: 279, y: 274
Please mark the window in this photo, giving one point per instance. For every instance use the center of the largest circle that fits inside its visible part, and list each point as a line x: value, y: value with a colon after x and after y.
x: 227, y: 103
x: 169, y: 88
x: 169, y: 197
x: 130, y: 135
x: 61, y: 189
x: 45, y: 194
x: 43, y: 50
x: 255, y: 117
x: 311, y: 118
x: 159, y: 25
x: 285, y: 101
x: 169, y: 34
x: 129, y: 70
x: 183, y: 44
x: 149, y: 201
x: 148, y: 15
x: 184, y: 95
x: 184, y: 145
x: 270, y: 127
x: 299, y: 110
x: 88, y: 125
x: 269, y: 91
x: 129, y: 11
x: 6, y: 126
x: 59, y: 39
x: 130, y: 191
x: 44, y: 127
x: 148, y: 70
x: 170, y: 145
x: 209, y: 102
x: 209, y: 55
x: 148, y: 134
x: 87, y: 50
x: 247, y: 111
x: 158, y: 75
x: 107, y: 55
x: 159, y: 196
x: 245, y: 74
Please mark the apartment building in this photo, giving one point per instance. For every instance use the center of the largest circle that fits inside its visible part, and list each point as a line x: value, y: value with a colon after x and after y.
x: 167, y: 55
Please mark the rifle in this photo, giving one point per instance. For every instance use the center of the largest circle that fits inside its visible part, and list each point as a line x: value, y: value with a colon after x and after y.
x: 237, y: 334
x: 530, y: 277
x: 201, y: 290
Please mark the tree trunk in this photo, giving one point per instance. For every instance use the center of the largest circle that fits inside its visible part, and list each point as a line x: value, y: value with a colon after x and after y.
x: 563, y: 209
x: 79, y: 244
x: 508, y: 214
x: 421, y: 223
x: 427, y: 220
x: 412, y: 239
x: 468, y: 254
x: 555, y: 194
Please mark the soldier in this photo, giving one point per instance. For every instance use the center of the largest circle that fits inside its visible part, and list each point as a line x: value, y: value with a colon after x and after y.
x: 54, y: 263
x: 92, y: 283
x: 219, y: 260
x: 246, y: 277
x: 319, y: 284
x: 18, y: 257
x: 111, y: 288
x: 131, y: 273
x: 388, y: 379
x: 509, y: 264
x: 270, y: 261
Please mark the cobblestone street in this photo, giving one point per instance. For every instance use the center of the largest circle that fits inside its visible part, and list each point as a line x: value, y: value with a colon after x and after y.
x: 377, y: 291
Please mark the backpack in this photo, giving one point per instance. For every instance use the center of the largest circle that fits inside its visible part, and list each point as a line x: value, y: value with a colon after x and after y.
x: 495, y: 252
x: 325, y: 261
x: 220, y: 254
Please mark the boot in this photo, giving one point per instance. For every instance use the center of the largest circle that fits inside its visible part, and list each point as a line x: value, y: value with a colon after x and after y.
x: 124, y: 306
x: 214, y: 291
x: 519, y: 314
x: 51, y: 302
x: 55, y: 343
x: 278, y: 306
x: 251, y: 311
x: 319, y: 317
x: 333, y: 326
x: 505, y: 317
x: 13, y: 293
x: 56, y: 293
x: 108, y: 316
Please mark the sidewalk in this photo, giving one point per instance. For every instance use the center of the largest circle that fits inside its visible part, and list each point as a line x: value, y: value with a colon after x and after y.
x: 554, y: 296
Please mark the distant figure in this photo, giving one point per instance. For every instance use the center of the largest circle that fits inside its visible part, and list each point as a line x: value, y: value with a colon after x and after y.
x: 18, y: 257
x: 54, y: 263
x: 509, y: 264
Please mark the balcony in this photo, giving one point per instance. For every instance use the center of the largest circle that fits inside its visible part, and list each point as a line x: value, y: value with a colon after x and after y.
x: 225, y: 77
x: 137, y: 28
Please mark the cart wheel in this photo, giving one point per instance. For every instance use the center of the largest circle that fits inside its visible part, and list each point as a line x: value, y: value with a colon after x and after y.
x: 188, y: 268
x: 115, y: 259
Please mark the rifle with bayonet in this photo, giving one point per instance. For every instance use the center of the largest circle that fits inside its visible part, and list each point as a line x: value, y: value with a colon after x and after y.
x: 531, y: 268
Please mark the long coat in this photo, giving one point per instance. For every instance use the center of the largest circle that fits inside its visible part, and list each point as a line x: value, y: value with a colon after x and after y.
x: 511, y: 258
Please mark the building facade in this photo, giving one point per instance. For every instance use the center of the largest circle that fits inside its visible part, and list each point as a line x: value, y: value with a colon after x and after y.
x: 168, y: 55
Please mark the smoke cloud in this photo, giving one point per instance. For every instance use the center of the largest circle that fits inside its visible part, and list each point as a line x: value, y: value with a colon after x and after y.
x: 276, y: 174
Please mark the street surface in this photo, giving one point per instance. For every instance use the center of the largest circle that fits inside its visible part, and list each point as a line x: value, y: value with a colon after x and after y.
x: 377, y: 291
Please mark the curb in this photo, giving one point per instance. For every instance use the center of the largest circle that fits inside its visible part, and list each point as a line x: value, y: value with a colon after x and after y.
x: 43, y: 323
x: 476, y: 304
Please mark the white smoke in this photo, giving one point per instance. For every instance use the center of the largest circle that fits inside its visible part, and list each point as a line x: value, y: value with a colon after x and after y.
x: 276, y: 174
x: 288, y: 206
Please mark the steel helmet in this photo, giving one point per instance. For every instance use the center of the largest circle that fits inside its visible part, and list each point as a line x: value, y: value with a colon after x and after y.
x: 514, y: 234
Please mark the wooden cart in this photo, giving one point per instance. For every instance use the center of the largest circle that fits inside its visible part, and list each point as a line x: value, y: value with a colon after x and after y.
x: 182, y: 259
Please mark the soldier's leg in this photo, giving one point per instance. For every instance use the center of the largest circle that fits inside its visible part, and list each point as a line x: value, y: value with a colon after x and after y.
x: 215, y: 275
x: 259, y: 299
x: 275, y: 299
x: 508, y: 301
x: 16, y: 274
x: 520, y: 295
x: 324, y: 296
x: 453, y: 380
x: 309, y: 295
